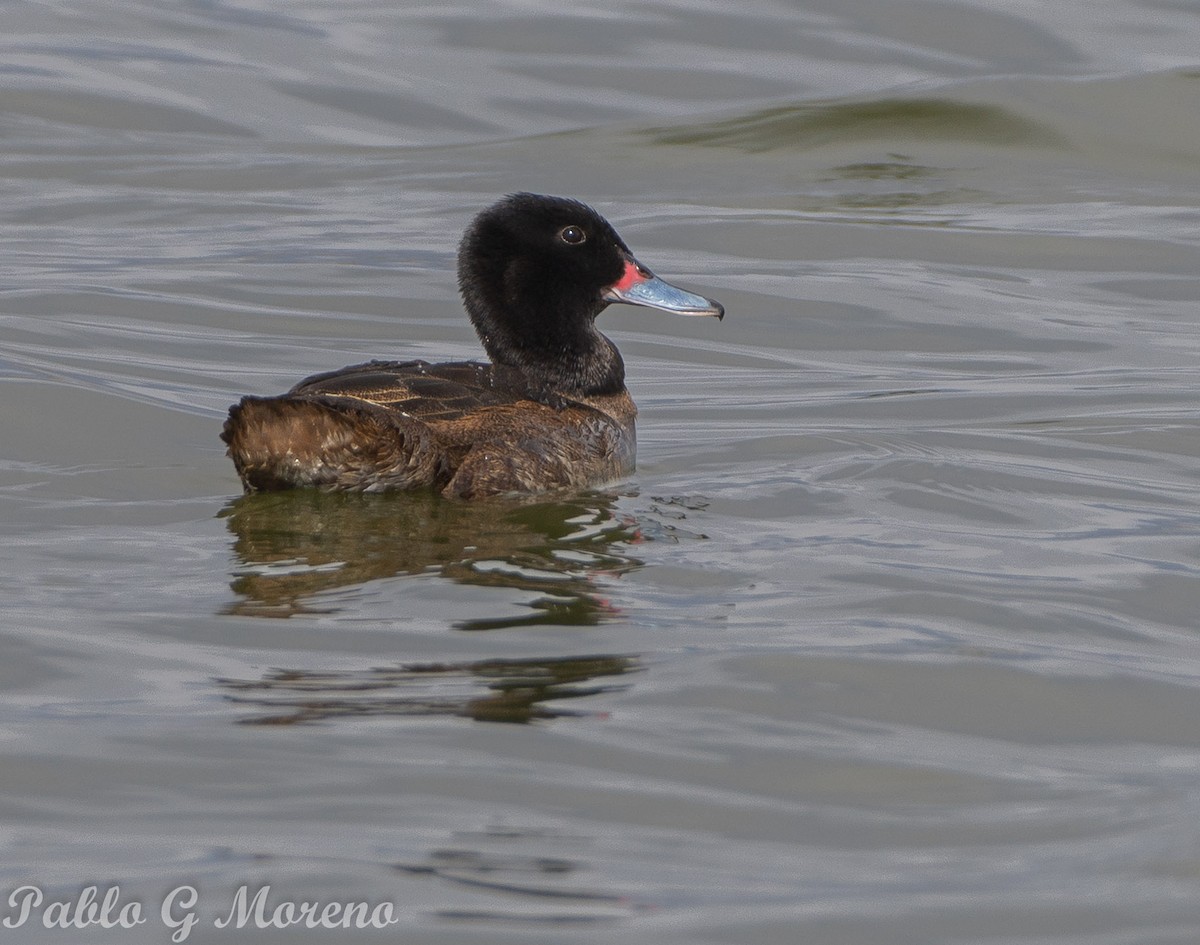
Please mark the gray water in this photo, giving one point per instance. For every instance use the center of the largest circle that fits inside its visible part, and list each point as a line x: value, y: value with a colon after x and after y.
x: 892, y: 636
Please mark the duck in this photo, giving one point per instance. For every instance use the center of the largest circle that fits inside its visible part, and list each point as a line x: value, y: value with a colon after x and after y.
x: 548, y: 411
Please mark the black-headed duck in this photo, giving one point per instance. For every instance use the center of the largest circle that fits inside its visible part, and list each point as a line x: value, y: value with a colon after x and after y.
x: 550, y: 411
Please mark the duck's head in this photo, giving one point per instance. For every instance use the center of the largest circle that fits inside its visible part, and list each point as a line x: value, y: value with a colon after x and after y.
x: 535, y: 272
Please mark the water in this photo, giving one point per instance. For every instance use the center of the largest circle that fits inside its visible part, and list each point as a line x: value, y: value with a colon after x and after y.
x: 890, y: 638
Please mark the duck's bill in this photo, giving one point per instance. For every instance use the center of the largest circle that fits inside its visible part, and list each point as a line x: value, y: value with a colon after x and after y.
x: 639, y: 286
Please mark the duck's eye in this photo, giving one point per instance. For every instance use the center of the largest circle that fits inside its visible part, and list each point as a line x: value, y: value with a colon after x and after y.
x: 572, y: 234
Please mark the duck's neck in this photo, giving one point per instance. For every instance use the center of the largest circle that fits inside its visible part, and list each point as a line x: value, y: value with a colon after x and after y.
x: 552, y: 355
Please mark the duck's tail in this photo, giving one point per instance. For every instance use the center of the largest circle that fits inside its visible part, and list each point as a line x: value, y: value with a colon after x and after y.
x: 329, y: 442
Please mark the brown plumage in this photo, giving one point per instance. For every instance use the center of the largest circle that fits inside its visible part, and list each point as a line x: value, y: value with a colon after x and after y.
x: 551, y: 410
x: 405, y: 425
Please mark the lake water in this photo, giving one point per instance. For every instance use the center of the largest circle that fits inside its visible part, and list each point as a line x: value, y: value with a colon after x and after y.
x: 891, y: 638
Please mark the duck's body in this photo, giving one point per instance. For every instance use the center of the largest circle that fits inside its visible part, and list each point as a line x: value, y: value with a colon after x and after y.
x: 550, y: 411
x: 454, y: 427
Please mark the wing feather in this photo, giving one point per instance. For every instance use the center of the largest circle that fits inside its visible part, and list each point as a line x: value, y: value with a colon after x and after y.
x: 428, y: 392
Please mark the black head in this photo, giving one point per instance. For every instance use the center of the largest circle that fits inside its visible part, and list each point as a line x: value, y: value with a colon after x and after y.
x: 535, y: 272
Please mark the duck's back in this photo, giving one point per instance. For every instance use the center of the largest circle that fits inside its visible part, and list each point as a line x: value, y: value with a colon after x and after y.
x: 429, y: 392
x: 461, y: 428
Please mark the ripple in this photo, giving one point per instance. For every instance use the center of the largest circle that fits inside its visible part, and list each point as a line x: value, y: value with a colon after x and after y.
x: 814, y: 125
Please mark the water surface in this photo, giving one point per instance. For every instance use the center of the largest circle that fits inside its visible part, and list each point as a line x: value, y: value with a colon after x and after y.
x: 892, y: 635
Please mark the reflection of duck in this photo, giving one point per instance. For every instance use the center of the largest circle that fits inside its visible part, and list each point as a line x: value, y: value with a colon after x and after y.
x: 292, y: 547
x: 487, y: 690
x: 550, y: 411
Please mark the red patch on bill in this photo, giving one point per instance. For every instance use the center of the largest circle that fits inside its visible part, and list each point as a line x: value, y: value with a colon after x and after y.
x: 631, y: 276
